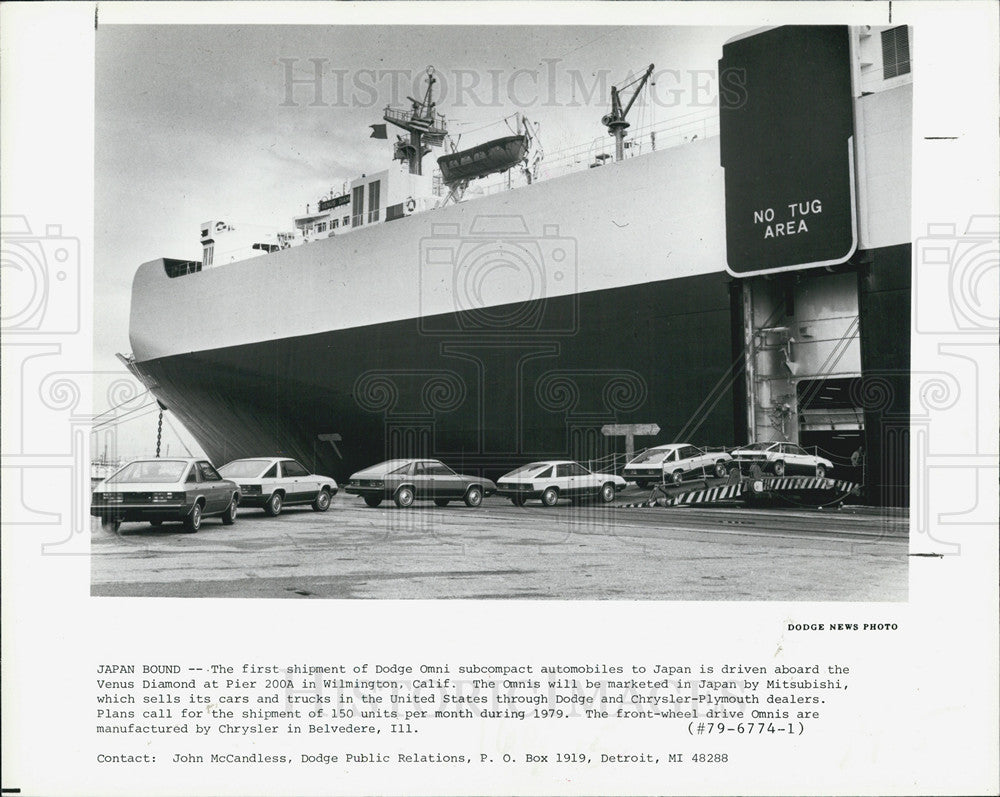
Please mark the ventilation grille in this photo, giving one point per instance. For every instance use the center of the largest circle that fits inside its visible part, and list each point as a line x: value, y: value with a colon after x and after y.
x: 895, y: 52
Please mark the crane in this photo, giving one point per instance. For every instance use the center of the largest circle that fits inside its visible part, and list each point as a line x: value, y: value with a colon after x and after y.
x: 615, y: 121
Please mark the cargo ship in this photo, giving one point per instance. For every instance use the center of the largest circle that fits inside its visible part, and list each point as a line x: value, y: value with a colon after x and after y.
x: 410, y: 314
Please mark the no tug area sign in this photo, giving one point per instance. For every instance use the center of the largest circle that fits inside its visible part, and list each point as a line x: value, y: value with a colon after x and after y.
x: 787, y: 149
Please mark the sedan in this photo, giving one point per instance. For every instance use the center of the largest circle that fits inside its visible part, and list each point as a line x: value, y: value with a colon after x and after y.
x: 782, y: 458
x: 674, y: 463
x: 409, y: 480
x: 159, y: 490
x: 554, y: 479
x: 272, y: 483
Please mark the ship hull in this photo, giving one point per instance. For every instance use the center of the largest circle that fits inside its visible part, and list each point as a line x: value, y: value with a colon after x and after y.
x: 447, y: 386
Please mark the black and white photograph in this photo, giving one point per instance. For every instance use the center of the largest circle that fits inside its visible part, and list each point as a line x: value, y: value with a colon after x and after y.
x: 567, y: 303
x: 500, y: 398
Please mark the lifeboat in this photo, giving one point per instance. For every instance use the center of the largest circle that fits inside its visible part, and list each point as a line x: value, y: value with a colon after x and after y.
x: 492, y: 157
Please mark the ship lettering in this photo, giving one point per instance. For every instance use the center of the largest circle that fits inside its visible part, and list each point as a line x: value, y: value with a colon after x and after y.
x: 781, y: 229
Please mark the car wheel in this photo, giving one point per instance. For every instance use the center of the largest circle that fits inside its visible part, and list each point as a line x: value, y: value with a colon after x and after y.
x: 677, y: 477
x: 474, y: 496
x: 517, y: 500
x: 721, y: 471
x: 441, y: 502
x: 550, y: 497
x: 229, y: 516
x: 322, y: 502
x: 273, y: 506
x: 642, y: 484
x: 193, y: 520
x: 821, y: 471
x: 111, y: 526
x: 403, y: 497
x: 779, y: 468
x: 373, y: 500
x: 607, y: 493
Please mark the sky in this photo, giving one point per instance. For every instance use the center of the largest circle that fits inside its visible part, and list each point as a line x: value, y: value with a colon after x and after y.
x: 207, y: 122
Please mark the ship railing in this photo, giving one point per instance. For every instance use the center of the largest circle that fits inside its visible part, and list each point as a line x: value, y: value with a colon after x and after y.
x: 433, y: 127
x: 609, y: 463
x: 642, y: 139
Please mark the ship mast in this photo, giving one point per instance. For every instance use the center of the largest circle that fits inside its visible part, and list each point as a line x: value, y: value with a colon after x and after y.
x: 615, y: 121
x: 426, y: 127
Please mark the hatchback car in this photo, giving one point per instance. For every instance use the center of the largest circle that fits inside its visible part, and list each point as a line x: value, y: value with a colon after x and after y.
x: 409, y: 480
x: 551, y: 480
x: 271, y: 483
x: 782, y: 458
x: 160, y: 490
x: 674, y: 463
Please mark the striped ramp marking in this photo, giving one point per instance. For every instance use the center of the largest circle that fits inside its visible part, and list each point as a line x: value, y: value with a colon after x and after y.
x: 807, y: 483
x: 728, y: 492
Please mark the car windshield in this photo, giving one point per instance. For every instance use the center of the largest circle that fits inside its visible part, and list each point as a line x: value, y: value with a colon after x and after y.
x: 156, y: 470
x: 531, y: 468
x: 651, y: 457
x: 244, y: 468
x: 758, y: 447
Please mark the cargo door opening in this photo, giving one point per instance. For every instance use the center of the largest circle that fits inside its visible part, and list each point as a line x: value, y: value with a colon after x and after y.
x: 831, y: 422
x: 803, y: 356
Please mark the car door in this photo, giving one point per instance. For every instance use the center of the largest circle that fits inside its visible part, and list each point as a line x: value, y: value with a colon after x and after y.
x: 690, y: 460
x: 584, y: 482
x: 285, y: 483
x: 443, y: 481
x: 563, y: 482
x: 423, y: 482
x: 302, y: 488
x: 801, y: 461
x: 215, y: 491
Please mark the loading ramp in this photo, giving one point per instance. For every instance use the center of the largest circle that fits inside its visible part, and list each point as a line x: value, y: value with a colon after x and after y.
x: 797, y: 491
